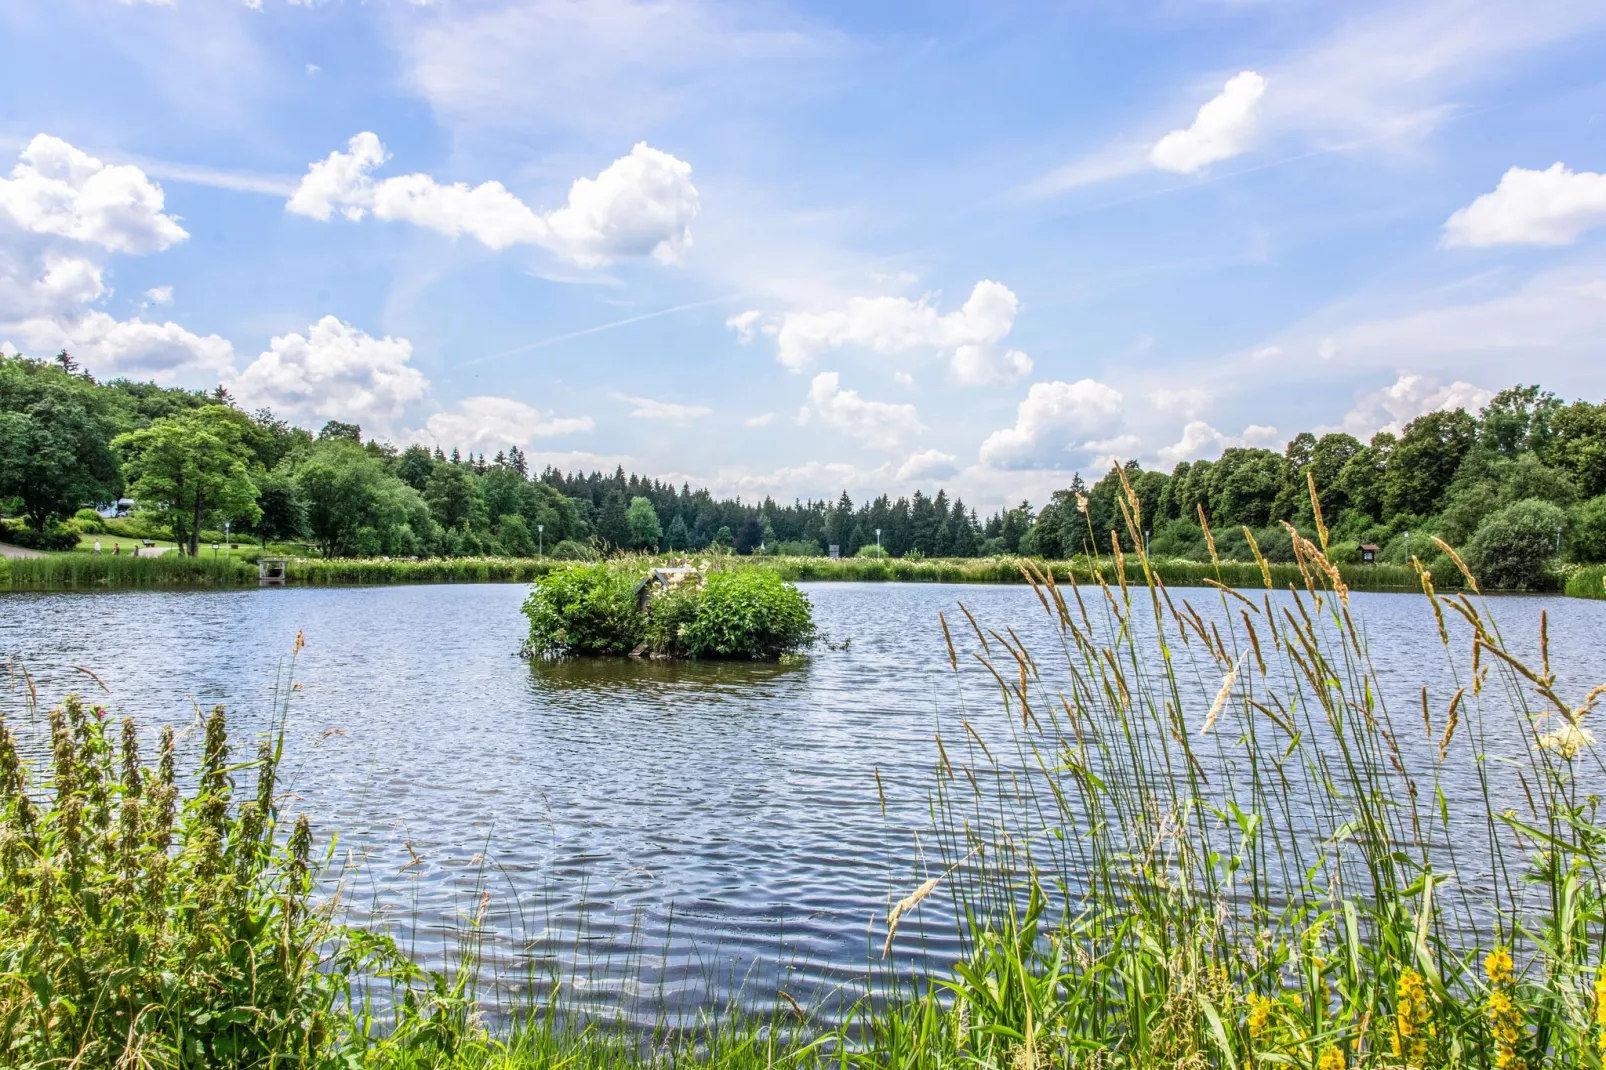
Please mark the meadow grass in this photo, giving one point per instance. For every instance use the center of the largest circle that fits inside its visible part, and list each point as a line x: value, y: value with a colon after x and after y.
x: 1588, y: 582
x: 76, y: 570
x: 1184, y: 836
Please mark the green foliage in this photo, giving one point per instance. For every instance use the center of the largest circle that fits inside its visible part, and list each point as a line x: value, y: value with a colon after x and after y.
x: 750, y: 613
x: 646, y: 533
x: 1511, y: 549
x: 604, y: 609
x: 54, y: 538
x: 146, y: 927
x: 798, y: 548
x: 1588, y: 527
x: 354, y: 505
x: 55, y: 434
x: 514, y: 535
x: 570, y: 550
x: 584, y: 610
x: 73, y: 571
x: 191, y: 468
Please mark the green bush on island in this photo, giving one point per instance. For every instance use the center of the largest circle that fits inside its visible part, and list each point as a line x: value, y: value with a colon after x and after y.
x: 597, y: 610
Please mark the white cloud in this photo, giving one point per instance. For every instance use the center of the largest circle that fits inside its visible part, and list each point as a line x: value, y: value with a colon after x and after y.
x: 135, y: 348
x: 895, y: 325
x: 1200, y: 441
x: 1327, y: 349
x: 1190, y: 401
x: 763, y: 419
x: 1054, y: 417
x: 651, y: 409
x: 494, y: 422
x: 878, y: 424
x: 640, y: 205
x: 1550, y: 207
x: 1224, y: 128
x: 1409, y: 396
x: 1110, y: 452
x: 974, y: 365
x: 1267, y: 352
x: 334, y: 371
x: 49, y: 285
x: 745, y: 324
x: 927, y: 464
x: 159, y: 295
x: 904, y: 379
x: 57, y: 189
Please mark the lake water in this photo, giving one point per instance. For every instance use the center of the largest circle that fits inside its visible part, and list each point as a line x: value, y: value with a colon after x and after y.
x: 668, y: 831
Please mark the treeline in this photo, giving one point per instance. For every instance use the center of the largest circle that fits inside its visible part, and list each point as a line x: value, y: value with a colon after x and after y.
x: 194, y: 462
x: 1520, y: 487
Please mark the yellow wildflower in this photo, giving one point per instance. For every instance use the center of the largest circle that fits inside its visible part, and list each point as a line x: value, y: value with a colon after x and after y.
x: 1330, y: 1059
x: 1499, y: 966
x: 1259, y: 1014
x: 1413, y: 1017
x: 1600, y: 1009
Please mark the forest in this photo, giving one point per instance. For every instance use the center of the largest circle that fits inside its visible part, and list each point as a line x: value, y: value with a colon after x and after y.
x: 1520, y: 485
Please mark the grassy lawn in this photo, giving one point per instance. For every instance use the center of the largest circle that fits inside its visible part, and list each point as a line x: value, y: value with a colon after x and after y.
x: 86, y: 543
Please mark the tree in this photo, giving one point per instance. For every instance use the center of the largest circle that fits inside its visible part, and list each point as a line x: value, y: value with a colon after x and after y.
x: 1425, y: 460
x: 414, y: 467
x: 191, y: 468
x: 645, y: 531
x: 335, y: 429
x: 453, y: 495
x: 1510, y: 548
x: 678, y: 537
x: 1577, y: 444
x: 55, y: 457
x: 1517, y: 420
x: 1589, y: 531
x: 355, y: 505
x: 513, y: 532
x: 284, y: 514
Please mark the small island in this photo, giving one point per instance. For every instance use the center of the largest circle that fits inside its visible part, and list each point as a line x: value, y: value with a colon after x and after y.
x: 604, y: 610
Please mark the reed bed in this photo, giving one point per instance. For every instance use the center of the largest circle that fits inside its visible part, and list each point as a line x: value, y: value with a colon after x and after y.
x: 339, y: 571
x: 1587, y: 582
x: 74, y: 571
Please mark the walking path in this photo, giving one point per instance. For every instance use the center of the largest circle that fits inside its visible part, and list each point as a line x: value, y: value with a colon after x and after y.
x: 7, y: 550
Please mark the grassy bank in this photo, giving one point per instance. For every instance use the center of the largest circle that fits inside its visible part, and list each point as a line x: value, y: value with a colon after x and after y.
x: 1187, y: 836
x: 106, y: 571
x: 1588, y: 582
x: 80, y: 571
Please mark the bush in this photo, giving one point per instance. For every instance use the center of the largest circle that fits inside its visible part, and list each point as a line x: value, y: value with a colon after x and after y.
x: 798, y: 548
x: 142, y: 928
x: 89, y: 522
x: 1510, y: 549
x: 52, y: 538
x: 872, y: 550
x: 592, y: 610
x: 569, y: 550
x: 586, y: 610
x: 749, y: 614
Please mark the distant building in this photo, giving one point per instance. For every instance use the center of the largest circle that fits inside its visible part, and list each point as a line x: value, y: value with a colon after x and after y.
x: 115, y: 510
x: 1369, y: 552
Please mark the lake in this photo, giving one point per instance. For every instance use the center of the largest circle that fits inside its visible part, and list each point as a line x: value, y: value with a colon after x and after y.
x: 657, y: 831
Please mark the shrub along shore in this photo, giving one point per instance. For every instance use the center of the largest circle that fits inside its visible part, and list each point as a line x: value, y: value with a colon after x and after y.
x: 1206, y: 841
x: 86, y: 571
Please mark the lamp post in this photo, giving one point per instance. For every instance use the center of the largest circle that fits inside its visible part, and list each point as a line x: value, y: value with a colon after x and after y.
x: 540, y: 534
x: 878, y: 543
x: 226, y: 524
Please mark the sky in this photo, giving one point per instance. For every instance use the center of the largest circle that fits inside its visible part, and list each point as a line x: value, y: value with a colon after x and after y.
x: 789, y: 249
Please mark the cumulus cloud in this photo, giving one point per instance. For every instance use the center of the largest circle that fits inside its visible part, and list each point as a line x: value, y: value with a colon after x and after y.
x: 652, y: 409
x: 59, y: 190
x: 334, y: 371
x: 159, y: 295
x: 1409, y: 396
x: 896, y: 325
x: 1200, y: 441
x: 763, y: 419
x: 1190, y: 401
x: 50, y: 285
x: 485, y: 422
x: 1224, y: 127
x: 640, y: 205
x: 927, y: 464
x: 1054, y: 417
x: 880, y: 425
x: 1550, y: 207
x: 136, y: 348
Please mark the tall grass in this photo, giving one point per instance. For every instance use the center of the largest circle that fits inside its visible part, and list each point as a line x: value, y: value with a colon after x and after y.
x: 337, y: 571
x: 1588, y: 582
x: 70, y: 571
x: 1206, y: 835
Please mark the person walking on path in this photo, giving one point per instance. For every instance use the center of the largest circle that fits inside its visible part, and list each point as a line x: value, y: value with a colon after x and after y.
x: 97, y: 546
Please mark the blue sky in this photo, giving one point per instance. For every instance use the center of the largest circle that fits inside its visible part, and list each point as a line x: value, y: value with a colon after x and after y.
x: 794, y: 248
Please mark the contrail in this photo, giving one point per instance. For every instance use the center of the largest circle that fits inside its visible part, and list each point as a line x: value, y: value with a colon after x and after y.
x: 599, y: 328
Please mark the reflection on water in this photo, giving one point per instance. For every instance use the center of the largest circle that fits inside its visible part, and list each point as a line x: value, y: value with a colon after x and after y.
x: 689, y: 828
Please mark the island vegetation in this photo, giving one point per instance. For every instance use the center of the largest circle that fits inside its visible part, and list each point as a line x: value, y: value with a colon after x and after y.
x: 1204, y: 847
x: 1519, y: 487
